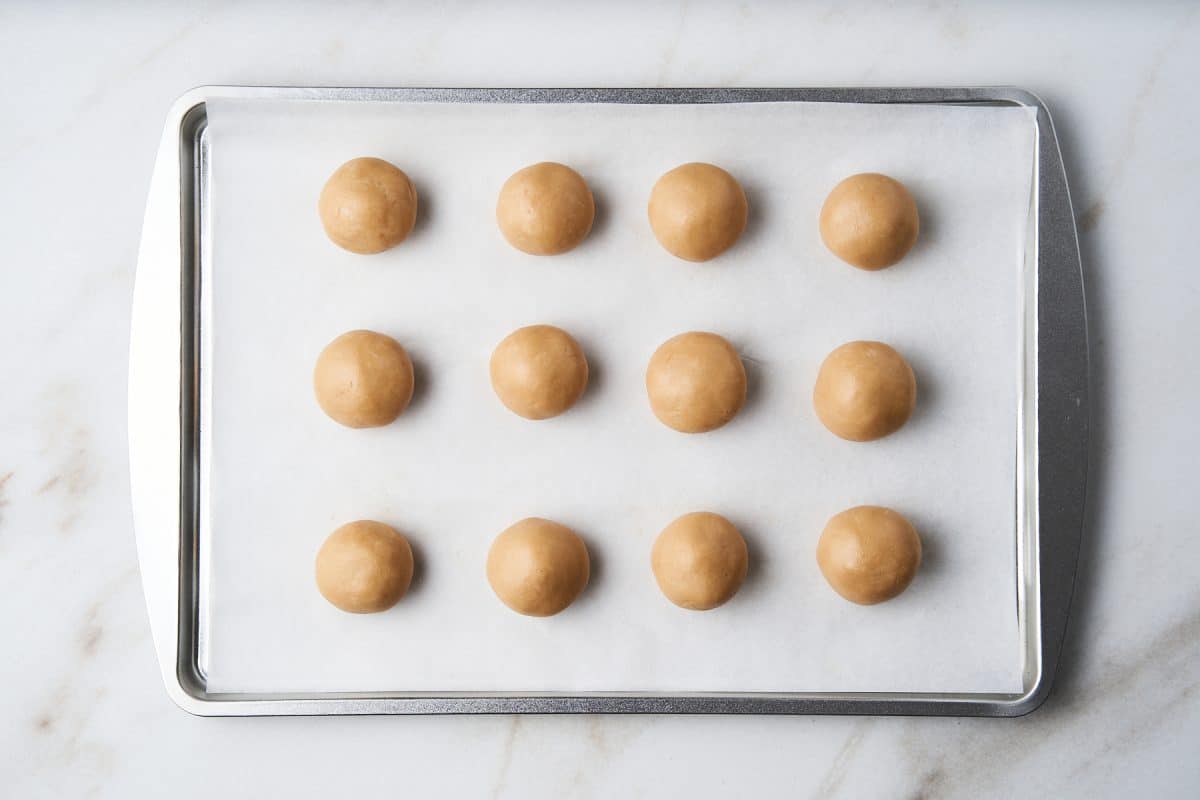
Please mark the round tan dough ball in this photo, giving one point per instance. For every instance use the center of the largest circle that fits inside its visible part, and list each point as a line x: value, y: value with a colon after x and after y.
x: 864, y: 391
x: 545, y: 209
x: 363, y: 379
x: 870, y: 221
x: 697, y: 211
x: 699, y: 560
x: 364, y: 567
x: 696, y: 382
x: 368, y: 206
x: 869, y: 554
x: 539, y: 371
x: 538, y: 567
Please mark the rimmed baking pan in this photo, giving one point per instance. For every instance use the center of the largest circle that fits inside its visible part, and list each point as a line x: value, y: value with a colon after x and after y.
x: 229, y: 507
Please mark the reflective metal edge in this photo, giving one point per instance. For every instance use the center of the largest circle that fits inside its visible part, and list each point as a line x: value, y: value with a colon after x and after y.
x: 163, y: 436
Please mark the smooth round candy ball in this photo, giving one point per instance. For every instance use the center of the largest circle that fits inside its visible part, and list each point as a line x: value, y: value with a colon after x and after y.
x: 363, y: 379
x: 864, y: 391
x: 696, y: 382
x: 697, y: 211
x: 870, y: 221
x: 869, y: 554
x: 545, y: 209
x: 364, y: 567
x: 538, y: 567
x: 539, y: 371
x: 699, y: 561
x: 368, y: 206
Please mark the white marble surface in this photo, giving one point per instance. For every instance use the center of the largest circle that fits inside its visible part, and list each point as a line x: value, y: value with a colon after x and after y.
x: 84, y: 95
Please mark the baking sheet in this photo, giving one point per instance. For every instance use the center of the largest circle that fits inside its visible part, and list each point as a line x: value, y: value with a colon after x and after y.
x: 457, y: 467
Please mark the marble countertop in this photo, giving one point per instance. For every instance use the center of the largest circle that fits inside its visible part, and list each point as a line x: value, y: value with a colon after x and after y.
x: 86, y: 91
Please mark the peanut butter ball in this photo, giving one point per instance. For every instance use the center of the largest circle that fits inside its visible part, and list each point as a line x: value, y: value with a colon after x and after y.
x: 864, y: 391
x: 870, y: 221
x: 368, y: 206
x: 364, y: 567
x: 699, y: 560
x: 545, y: 209
x: 363, y: 379
x: 539, y: 371
x: 697, y: 211
x: 696, y: 382
x: 538, y: 567
x: 869, y: 554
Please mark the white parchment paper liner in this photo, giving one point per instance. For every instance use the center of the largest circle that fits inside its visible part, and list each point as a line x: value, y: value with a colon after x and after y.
x: 457, y: 467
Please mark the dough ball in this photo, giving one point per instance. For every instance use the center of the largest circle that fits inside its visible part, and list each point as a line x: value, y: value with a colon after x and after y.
x: 869, y: 221
x: 364, y: 567
x: 864, y: 391
x: 697, y: 211
x: 696, y: 382
x: 368, y: 206
x: 699, y: 560
x: 539, y: 371
x: 545, y: 209
x: 869, y: 554
x: 363, y: 379
x: 538, y: 567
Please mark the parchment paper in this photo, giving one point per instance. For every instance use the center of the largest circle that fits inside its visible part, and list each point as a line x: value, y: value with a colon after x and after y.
x: 458, y: 467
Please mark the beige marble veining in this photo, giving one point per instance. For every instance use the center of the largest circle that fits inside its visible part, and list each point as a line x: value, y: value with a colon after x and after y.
x: 86, y: 90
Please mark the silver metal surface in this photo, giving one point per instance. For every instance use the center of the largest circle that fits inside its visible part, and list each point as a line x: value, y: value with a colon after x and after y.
x: 168, y: 452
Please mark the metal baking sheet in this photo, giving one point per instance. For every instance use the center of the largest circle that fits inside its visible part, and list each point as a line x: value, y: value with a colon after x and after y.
x: 191, y: 647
